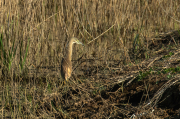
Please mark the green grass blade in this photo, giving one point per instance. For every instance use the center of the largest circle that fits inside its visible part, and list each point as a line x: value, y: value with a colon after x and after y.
x: 3, y: 51
x: 22, y: 61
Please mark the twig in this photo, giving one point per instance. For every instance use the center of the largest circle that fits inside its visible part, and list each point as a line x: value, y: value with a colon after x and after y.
x: 157, y: 58
x: 101, y: 34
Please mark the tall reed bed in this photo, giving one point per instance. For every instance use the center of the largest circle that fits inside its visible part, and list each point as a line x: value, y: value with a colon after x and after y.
x: 34, y: 34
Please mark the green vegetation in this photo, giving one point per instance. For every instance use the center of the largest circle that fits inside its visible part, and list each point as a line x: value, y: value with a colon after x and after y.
x: 8, y: 54
x: 169, y: 71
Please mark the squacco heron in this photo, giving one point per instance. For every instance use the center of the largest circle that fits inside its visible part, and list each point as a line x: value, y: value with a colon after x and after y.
x: 66, y: 64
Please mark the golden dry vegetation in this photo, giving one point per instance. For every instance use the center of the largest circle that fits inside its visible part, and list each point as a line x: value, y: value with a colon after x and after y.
x: 129, y: 67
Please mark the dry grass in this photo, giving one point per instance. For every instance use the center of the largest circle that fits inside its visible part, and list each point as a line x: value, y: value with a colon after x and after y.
x: 122, y: 38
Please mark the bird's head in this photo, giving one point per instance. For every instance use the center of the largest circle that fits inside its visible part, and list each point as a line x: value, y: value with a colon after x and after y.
x: 75, y: 40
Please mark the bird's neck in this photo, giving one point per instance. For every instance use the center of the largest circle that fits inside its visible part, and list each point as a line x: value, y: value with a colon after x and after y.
x: 69, y: 50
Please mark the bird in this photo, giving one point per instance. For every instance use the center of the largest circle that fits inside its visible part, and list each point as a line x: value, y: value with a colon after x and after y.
x: 66, y: 64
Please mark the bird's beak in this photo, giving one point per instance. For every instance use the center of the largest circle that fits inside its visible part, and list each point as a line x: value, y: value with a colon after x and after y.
x: 81, y: 44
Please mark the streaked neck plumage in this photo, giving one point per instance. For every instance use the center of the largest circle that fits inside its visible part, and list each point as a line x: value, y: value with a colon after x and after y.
x: 69, y: 50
